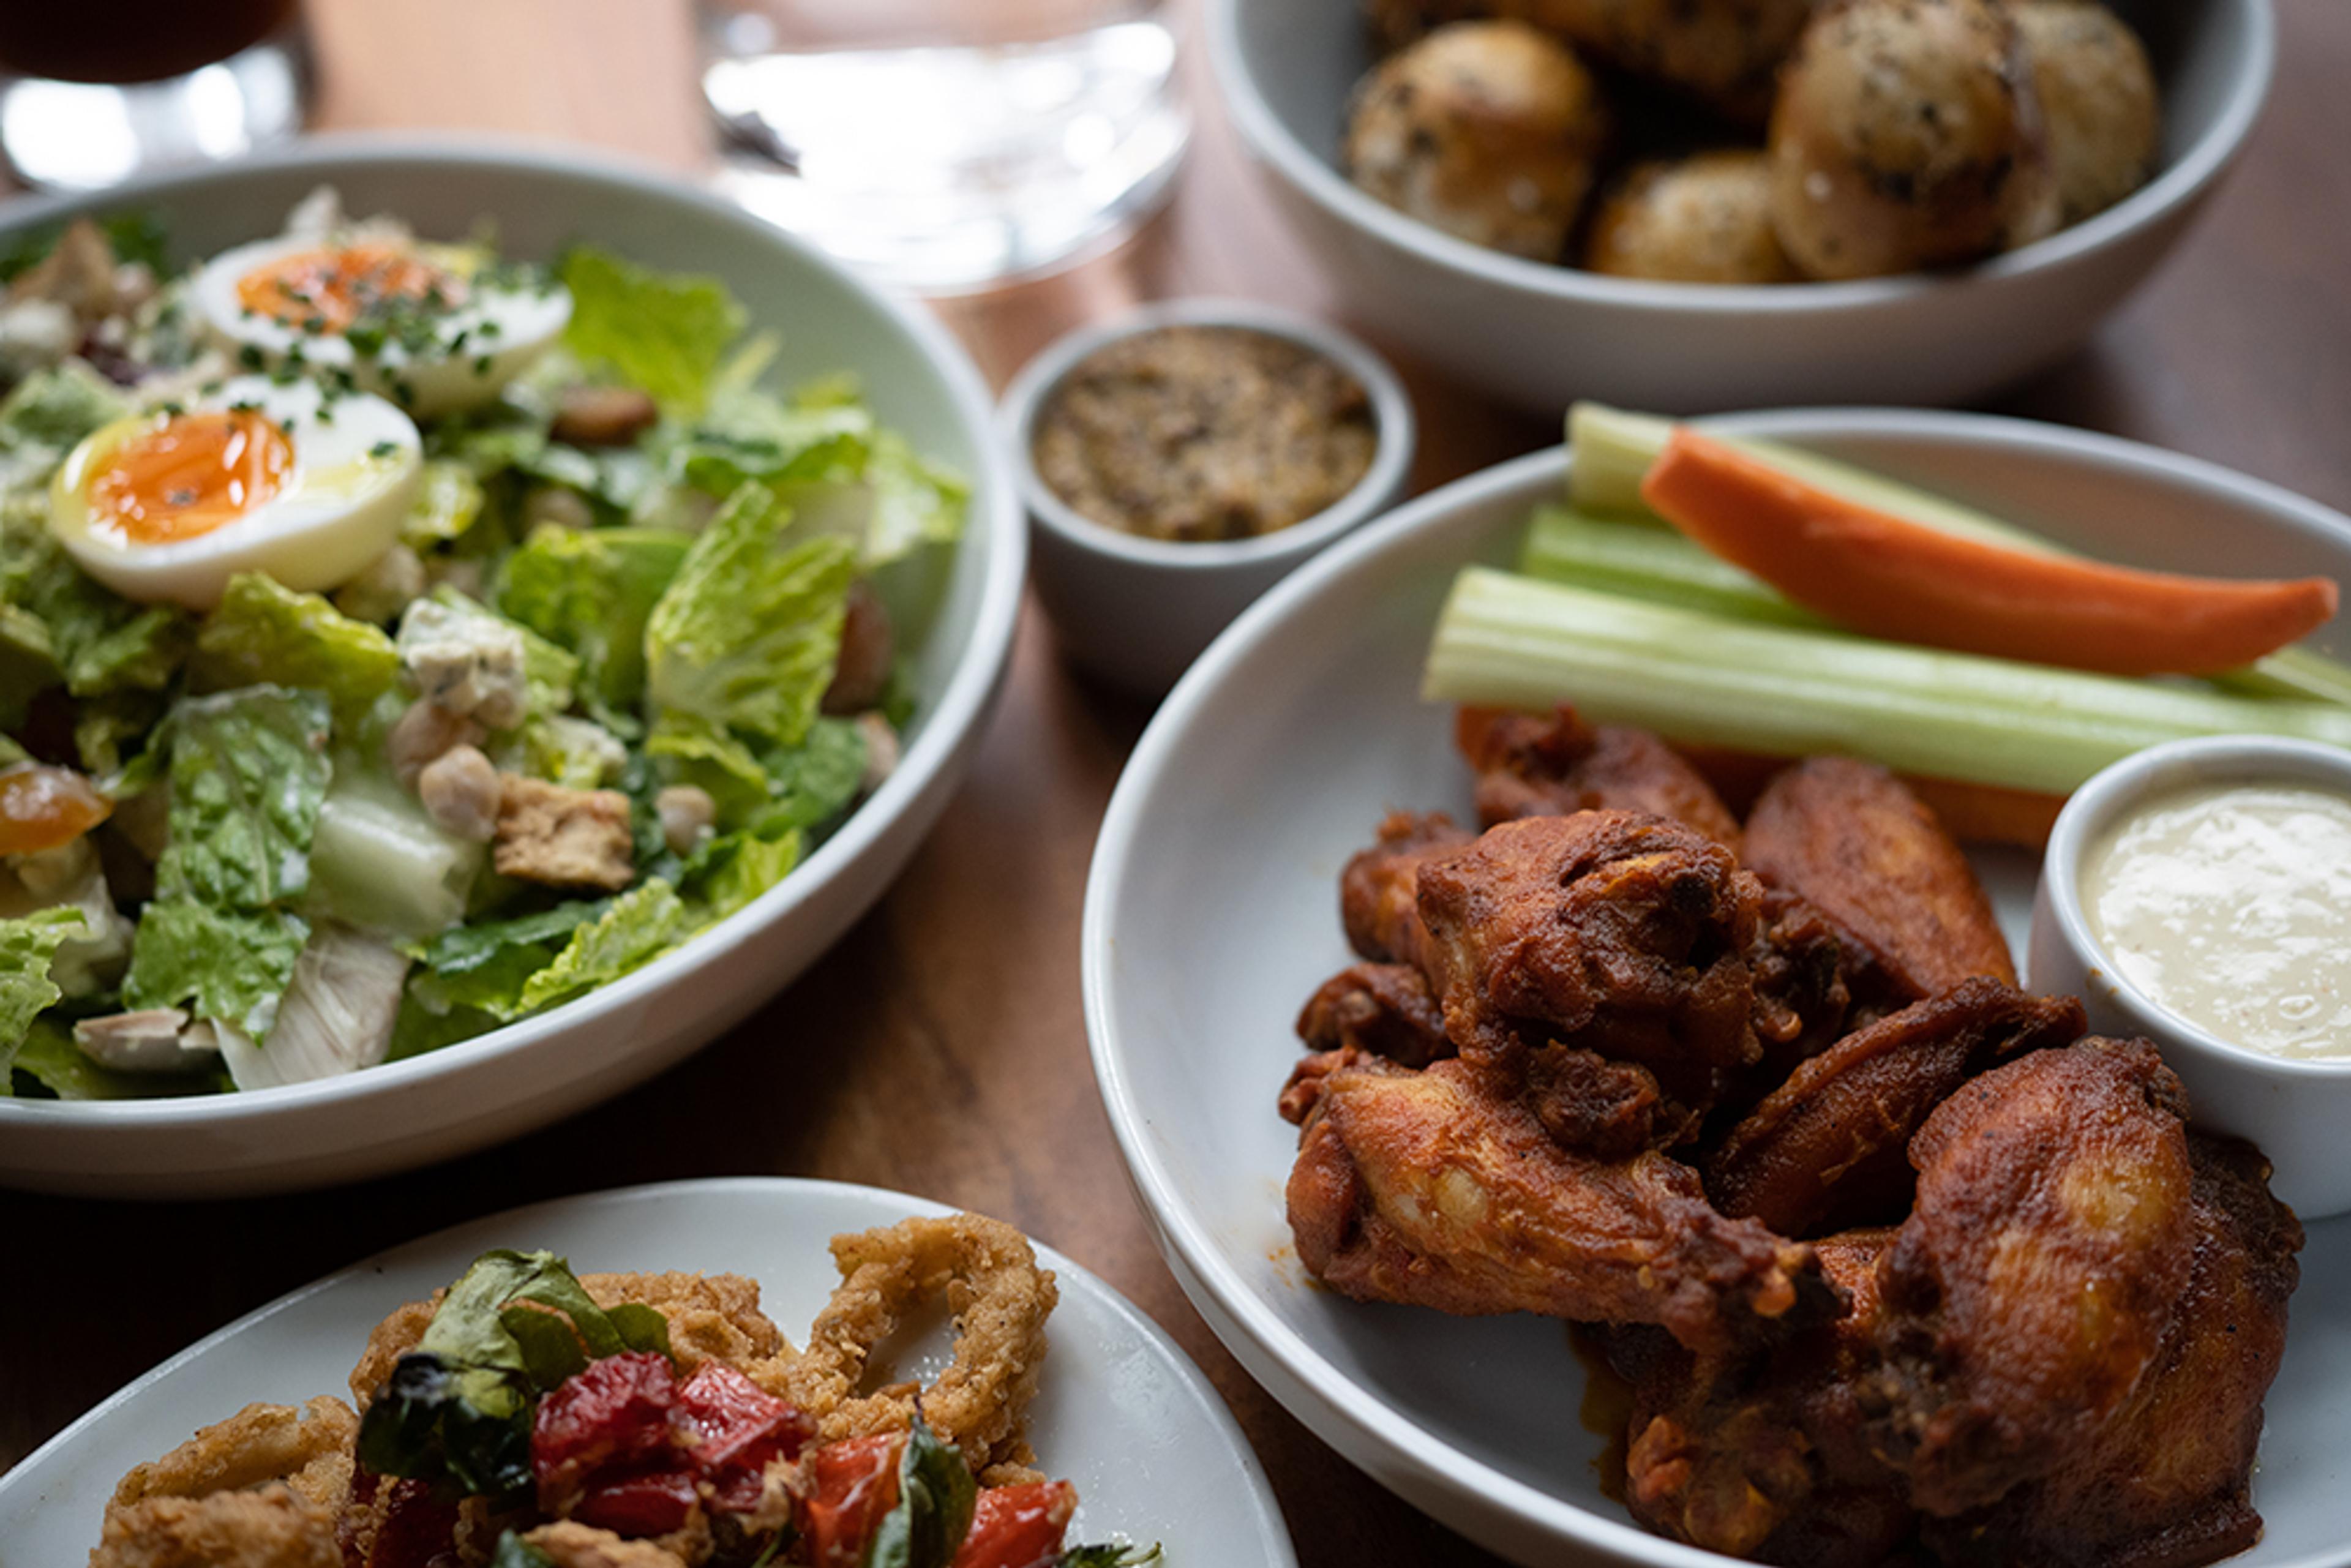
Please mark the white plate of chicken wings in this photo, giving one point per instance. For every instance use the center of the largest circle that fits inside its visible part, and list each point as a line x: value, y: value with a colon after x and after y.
x: 1791, y: 1426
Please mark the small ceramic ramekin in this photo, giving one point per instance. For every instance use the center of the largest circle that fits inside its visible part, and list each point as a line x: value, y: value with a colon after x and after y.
x: 2297, y: 1112
x: 1136, y: 611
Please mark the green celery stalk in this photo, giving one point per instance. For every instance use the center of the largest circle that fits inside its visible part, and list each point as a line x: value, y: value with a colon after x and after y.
x: 1510, y: 641
x: 1657, y: 565
x: 1613, y: 451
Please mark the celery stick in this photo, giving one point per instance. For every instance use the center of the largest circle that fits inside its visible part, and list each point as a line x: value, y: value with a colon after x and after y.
x: 1510, y: 641
x: 1614, y: 450
x: 1653, y: 564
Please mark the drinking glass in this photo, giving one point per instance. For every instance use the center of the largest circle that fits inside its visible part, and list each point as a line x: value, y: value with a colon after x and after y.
x: 946, y: 145
x: 94, y: 91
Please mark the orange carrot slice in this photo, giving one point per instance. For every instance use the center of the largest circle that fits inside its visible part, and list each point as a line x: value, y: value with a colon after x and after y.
x: 1885, y: 576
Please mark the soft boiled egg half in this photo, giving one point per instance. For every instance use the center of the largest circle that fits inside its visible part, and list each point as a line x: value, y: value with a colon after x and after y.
x: 429, y: 325
x: 304, y: 484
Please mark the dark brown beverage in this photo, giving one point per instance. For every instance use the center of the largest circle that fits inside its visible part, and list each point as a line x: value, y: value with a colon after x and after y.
x: 130, y: 40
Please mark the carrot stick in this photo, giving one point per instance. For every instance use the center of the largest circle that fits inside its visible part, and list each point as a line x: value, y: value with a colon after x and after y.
x: 1887, y: 577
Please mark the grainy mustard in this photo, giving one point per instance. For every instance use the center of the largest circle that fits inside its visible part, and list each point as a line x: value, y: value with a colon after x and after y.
x: 1204, y: 433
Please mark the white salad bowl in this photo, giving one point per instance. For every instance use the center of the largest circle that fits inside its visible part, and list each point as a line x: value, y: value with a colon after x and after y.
x: 1543, y: 334
x: 918, y: 381
x: 1212, y: 913
x: 2296, y: 1111
x: 1120, y: 1410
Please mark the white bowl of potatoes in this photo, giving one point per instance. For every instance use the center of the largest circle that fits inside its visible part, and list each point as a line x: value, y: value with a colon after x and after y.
x: 1741, y: 201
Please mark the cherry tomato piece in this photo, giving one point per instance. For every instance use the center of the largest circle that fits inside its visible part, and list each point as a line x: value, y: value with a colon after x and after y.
x: 615, y: 1413
x: 1018, y: 1527
x: 853, y: 1486
x: 742, y: 1428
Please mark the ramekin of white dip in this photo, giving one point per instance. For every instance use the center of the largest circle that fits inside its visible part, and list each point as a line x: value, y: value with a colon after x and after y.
x: 2199, y: 895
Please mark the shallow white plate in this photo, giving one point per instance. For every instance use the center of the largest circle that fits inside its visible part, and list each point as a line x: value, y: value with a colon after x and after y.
x: 1212, y: 913
x: 530, y: 1073
x: 1120, y: 1411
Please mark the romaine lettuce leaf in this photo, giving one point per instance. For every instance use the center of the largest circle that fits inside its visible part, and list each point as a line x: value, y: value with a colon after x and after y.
x: 483, y: 967
x: 666, y: 333
x: 747, y: 636
x: 696, y: 751
x: 810, y: 784
x: 449, y: 500
x: 55, y: 406
x: 592, y: 591
x: 264, y: 633
x: 637, y: 927
x: 140, y: 654
x: 916, y: 503
x: 218, y: 964
x: 249, y: 769
x: 56, y: 623
x: 729, y: 872
x: 26, y: 948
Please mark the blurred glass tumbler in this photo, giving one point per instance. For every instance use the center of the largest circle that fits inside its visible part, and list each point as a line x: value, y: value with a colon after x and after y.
x: 946, y: 144
x: 94, y: 91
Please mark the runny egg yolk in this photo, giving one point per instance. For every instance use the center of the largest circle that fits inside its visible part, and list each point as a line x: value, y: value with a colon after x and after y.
x: 188, y: 475
x: 331, y: 290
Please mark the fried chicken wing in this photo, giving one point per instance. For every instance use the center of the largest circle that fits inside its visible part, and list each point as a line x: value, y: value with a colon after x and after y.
x: 2164, y: 1484
x: 1425, y: 1187
x: 1385, y: 1008
x: 1800, y: 996
x: 1607, y: 931
x: 1853, y: 842
x: 2034, y: 1287
x: 1379, y: 891
x: 1529, y: 766
x: 1762, y: 1454
x: 1830, y: 1148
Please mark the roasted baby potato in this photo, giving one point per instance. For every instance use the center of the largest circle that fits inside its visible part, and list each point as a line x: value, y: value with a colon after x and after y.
x: 1489, y: 130
x: 1907, y: 135
x: 1722, y: 52
x: 1706, y: 218
x: 2098, y: 98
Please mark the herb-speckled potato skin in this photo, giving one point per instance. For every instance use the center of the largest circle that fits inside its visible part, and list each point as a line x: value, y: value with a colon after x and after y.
x: 1723, y: 52
x: 1706, y: 218
x: 1489, y: 130
x: 2098, y: 98
x: 1907, y: 135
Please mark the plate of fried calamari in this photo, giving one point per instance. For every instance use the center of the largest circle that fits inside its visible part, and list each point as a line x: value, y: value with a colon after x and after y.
x: 789, y: 1372
x: 1555, y: 980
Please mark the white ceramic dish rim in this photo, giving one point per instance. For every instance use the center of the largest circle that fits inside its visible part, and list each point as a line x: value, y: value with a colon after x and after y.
x: 962, y: 703
x: 2236, y: 758
x: 1269, y: 1518
x: 1200, y: 1264
x: 2175, y: 188
x: 1382, y: 482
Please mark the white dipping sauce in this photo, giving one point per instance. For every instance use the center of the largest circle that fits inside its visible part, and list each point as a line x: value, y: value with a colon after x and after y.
x: 2229, y: 906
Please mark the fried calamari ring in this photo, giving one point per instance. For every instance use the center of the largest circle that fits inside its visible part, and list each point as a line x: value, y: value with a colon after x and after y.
x: 1001, y: 1299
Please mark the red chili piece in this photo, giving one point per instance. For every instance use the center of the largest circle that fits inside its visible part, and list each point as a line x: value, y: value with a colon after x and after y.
x: 741, y: 1427
x: 1018, y: 1527
x: 614, y: 1415
x: 853, y: 1485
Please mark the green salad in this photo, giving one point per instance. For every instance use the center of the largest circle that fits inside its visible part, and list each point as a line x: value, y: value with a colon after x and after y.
x: 397, y: 641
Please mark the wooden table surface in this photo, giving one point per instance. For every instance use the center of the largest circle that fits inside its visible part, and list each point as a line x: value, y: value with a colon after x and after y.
x: 940, y: 1048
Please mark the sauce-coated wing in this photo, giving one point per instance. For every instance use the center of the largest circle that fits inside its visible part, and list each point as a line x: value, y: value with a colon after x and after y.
x: 1529, y: 766
x: 1379, y: 890
x: 1421, y: 1188
x: 1761, y: 1455
x: 2165, y: 1484
x: 1829, y: 1148
x: 1852, y: 840
x: 1605, y: 931
x: 1386, y: 1010
x: 2034, y: 1286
